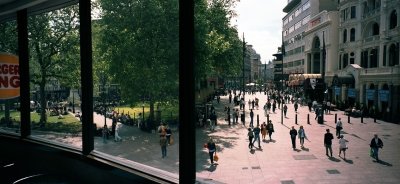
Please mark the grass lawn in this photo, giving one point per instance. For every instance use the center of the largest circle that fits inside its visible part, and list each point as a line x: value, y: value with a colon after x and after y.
x: 69, y: 124
x: 171, y: 112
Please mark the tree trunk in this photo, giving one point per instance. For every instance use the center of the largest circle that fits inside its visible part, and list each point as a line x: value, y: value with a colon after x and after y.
x: 43, y: 104
x: 151, y: 111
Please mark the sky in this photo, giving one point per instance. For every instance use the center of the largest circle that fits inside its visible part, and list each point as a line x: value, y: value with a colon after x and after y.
x: 261, y: 23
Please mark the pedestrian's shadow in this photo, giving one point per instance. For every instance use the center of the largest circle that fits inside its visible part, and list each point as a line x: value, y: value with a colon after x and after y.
x: 298, y: 150
x: 385, y: 163
x: 305, y: 149
x: 212, y: 168
x: 348, y: 161
x: 272, y: 140
x: 252, y: 151
x: 334, y: 159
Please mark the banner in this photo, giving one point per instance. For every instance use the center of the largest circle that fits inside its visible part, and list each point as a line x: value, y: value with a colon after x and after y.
x: 351, y: 92
x: 337, y: 91
x: 370, y: 94
x: 9, y: 76
x: 383, y: 95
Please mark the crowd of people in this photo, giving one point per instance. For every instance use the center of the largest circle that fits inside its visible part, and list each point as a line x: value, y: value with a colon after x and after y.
x: 277, y: 100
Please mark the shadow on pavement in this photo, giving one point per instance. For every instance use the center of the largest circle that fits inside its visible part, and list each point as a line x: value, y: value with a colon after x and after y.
x: 305, y: 149
x: 252, y: 151
x: 212, y: 168
x: 334, y: 159
x: 348, y: 161
x: 384, y: 163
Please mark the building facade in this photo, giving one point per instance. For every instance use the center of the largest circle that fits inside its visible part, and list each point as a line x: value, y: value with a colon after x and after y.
x: 361, y: 41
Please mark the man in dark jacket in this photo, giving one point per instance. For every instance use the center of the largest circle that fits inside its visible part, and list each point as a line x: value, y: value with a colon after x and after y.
x: 375, y: 144
x: 293, y: 134
x: 328, y: 142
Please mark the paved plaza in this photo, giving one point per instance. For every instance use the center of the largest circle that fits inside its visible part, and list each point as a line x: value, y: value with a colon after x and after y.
x: 278, y: 163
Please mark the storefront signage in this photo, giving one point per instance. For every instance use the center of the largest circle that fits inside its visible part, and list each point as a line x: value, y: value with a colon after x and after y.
x: 9, y: 76
x: 351, y: 92
x: 370, y: 94
x: 383, y: 95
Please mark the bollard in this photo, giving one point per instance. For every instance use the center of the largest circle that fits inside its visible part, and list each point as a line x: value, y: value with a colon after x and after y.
x: 335, y: 118
x: 362, y: 119
x: 308, y: 118
x: 267, y: 118
x: 258, y: 122
x: 295, y: 119
x: 348, y: 118
x: 374, y: 119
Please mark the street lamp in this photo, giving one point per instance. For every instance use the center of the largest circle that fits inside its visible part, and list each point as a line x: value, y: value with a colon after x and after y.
x: 143, y: 111
x: 323, y: 76
x: 244, y: 54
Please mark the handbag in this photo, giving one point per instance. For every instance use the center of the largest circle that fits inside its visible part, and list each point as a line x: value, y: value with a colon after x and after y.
x: 216, y: 157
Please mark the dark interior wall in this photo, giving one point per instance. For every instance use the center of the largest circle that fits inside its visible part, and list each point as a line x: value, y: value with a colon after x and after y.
x: 20, y: 159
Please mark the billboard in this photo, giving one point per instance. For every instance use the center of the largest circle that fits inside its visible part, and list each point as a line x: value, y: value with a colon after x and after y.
x: 9, y: 76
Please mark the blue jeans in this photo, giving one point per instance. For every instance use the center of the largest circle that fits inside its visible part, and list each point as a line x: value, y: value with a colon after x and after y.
x: 375, y: 153
x: 164, y: 151
x: 211, y: 153
x: 257, y: 137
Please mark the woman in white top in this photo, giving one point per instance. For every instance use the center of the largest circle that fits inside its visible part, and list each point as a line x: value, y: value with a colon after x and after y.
x: 342, y: 146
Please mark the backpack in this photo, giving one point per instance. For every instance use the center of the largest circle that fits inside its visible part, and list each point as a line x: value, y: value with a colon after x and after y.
x: 250, y: 134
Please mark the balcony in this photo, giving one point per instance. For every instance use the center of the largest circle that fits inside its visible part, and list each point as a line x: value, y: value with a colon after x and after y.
x: 371, y: 39
x: 371, y: 13
x: 381, y: 71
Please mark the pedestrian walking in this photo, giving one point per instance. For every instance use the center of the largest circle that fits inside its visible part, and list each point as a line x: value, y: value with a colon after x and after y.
x: 218, y: 99
x: 285, y: 110
x: 302, y: 136
x: 250, y: 135
x: 237, y: 115
x: 116, y: 136
x: 339, y: 127
x: 270, y: 128
x: 342, y: 146
x: 211, y: 124
x: 273, y: 106
x: 293, y: 134
x: 375, y: 144
x: 211, y: 149
x: 168, y: 134
x: 251, y: 117
x: 263, y: 131
x: 163, y: 144
x: 253, y: 103
x: 328, y: 142
x: 105, y: 133
x: 249, y: 104
x: 230, y: 98
x: 265, y: 110
x: 256, y: 132
x: 296, y: 106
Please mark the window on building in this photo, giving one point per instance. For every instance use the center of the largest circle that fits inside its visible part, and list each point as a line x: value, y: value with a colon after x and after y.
x: 345, y: 36
x: 291, y: 29
x: 373, y: 58
x: 375, y: 29
x: 393, y: 54
x: 297, y: 12
x: 305, y: 20
x: 393, y: 19
x: 352, y: 34
x: 353, y: 12
x: 364, y: 59
x: 345, y: 60
x: 340, y: 61
x: 297, y: 25
x: 306, y: 5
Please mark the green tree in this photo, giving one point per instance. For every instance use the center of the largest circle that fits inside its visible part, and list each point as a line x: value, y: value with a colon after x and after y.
x: 217, y: 45
x: 139, y: 40
x: 54, y: 46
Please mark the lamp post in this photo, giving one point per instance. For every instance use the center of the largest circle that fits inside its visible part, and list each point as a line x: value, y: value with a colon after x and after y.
x: 283, y: 99
x: 143, y: 111
x: 73, y: 102
x: 323, y: 75
x: 244, y: 55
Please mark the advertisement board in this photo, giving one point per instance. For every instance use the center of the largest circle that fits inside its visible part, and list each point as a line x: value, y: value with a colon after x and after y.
x: 9, y: 76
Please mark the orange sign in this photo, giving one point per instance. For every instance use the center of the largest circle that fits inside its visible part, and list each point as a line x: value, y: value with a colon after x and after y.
x: 9, y: 76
